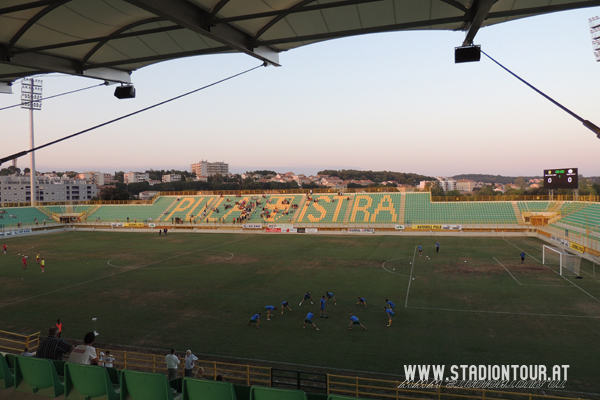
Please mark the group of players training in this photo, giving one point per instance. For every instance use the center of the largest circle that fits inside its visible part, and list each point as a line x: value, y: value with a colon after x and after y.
x: 389, y: 309
x: 24, y: 258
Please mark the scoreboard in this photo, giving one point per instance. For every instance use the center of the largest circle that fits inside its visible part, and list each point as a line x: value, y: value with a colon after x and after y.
x: 561, y: 178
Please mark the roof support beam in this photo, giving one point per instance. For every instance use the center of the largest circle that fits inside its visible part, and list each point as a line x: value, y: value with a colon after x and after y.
x: 298, y: 8
x: 66, y: 66
x: 482, y: 9
x: 28, y: 6
x: 191, y: 17
x: 32, y: 21
x: 156, y: 58
x: 353, y: 32
x: 543, y: 9
x: 100, y: 39
x: 5, y: 87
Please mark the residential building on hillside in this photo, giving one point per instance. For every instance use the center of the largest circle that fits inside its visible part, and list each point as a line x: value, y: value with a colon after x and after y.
x: 15, y: 189
x: 205, y: 168
x: 465, y: 185
x: 171, y: 178
x: 96, y: 178
x: 447, y: 184
x: 423, y: 184
x: 134, y: 177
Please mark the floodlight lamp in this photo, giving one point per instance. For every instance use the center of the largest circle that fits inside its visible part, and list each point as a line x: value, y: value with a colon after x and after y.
x: 467, y: 54
x: 125, y: 92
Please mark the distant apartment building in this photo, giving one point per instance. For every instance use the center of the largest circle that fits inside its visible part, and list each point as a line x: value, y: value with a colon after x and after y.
x: 205, y: 168
x: 134, y: 177
x: 171, y: 178
x: 96, y: 178
x: 424, y: 184
x: 447, y: 185
x: 15, y: 189
x: 465, y: 185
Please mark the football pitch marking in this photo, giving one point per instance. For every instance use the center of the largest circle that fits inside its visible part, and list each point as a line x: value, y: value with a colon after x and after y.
x: 524, y: 284
x: 572, y: 283
x: 587, y: 273
x: 391, y: 272
x: 181, y: 266
x: 507, y: 312
x: 115, y: 274
x: 410, y: 278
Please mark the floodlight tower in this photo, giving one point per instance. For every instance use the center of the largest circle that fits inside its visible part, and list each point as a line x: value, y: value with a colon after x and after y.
x: 595, y: 33
x: 31, y: 99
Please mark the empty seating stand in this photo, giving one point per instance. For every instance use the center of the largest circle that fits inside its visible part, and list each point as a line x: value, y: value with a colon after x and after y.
x: 146, y: 386
x: 200, y: 389
x: 265, y: 393
x: 89, y: 382
x: 37, y: 375
x: 7, y: 377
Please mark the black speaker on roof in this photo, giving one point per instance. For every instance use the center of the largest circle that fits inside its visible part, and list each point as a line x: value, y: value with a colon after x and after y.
x: 467, y: 54
x: 125, y: 92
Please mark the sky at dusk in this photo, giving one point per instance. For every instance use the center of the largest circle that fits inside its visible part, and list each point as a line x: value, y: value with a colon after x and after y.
x: 393, y: 101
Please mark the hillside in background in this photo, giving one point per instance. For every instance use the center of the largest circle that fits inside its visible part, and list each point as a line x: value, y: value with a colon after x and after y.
x: 492, y: 178
x: 406, y: 178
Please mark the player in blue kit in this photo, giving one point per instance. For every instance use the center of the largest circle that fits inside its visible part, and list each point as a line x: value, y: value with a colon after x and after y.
x: 269, y: 309
x: 391, y: 305
x: 285, y: 304
x: 322, y: 305
x: 331, y: 296
x: 390, y: 314
x: 255, y: 320
x: 307, y: 296
x: 420, y: 250
x: 361, y: 300
x: 308, y: 319
x: 354, y: 321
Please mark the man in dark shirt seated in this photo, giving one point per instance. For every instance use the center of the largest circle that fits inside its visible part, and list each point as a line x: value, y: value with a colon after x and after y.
x: 52, y: 347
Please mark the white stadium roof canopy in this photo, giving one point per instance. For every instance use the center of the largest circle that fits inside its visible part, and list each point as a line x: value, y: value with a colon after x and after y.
x: 108, y: 39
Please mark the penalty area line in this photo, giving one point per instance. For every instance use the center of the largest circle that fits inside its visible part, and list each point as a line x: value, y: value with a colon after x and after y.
x: 108, y: 276
x: 525, y: 284
x: 572, y: 283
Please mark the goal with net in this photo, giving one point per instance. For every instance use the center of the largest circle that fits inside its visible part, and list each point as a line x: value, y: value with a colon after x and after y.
x: 567, y: 264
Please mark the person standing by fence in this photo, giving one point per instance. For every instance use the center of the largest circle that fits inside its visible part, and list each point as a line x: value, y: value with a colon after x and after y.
x: 189, y: 363
x: 172, y: 364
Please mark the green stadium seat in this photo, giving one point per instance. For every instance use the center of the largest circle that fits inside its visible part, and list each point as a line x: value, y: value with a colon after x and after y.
x: 242, y: 392
x: 200, y: 389
x: 10, y: 360
x: 59, y: 366
x: 265, y: 393
x: 7, y: 377
x: 338, y: 397
x: 114, y: 375
x: 88, y: 382
x: 37, y: 375
x: 177, y: 384
x: 146, y: 386
x: 318, y: 396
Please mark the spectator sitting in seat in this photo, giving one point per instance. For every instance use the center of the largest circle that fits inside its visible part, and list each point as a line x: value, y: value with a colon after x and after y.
x: 52, y: 347
x: 200, y: 373
x: 109, y: 360
x: 85, y: 353
x: 27, y: 353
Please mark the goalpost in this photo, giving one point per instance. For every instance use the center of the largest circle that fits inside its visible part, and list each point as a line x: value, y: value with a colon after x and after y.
x: 568, y: 264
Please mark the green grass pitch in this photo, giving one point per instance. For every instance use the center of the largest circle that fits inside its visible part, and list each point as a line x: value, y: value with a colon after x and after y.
x: 198, y: 291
